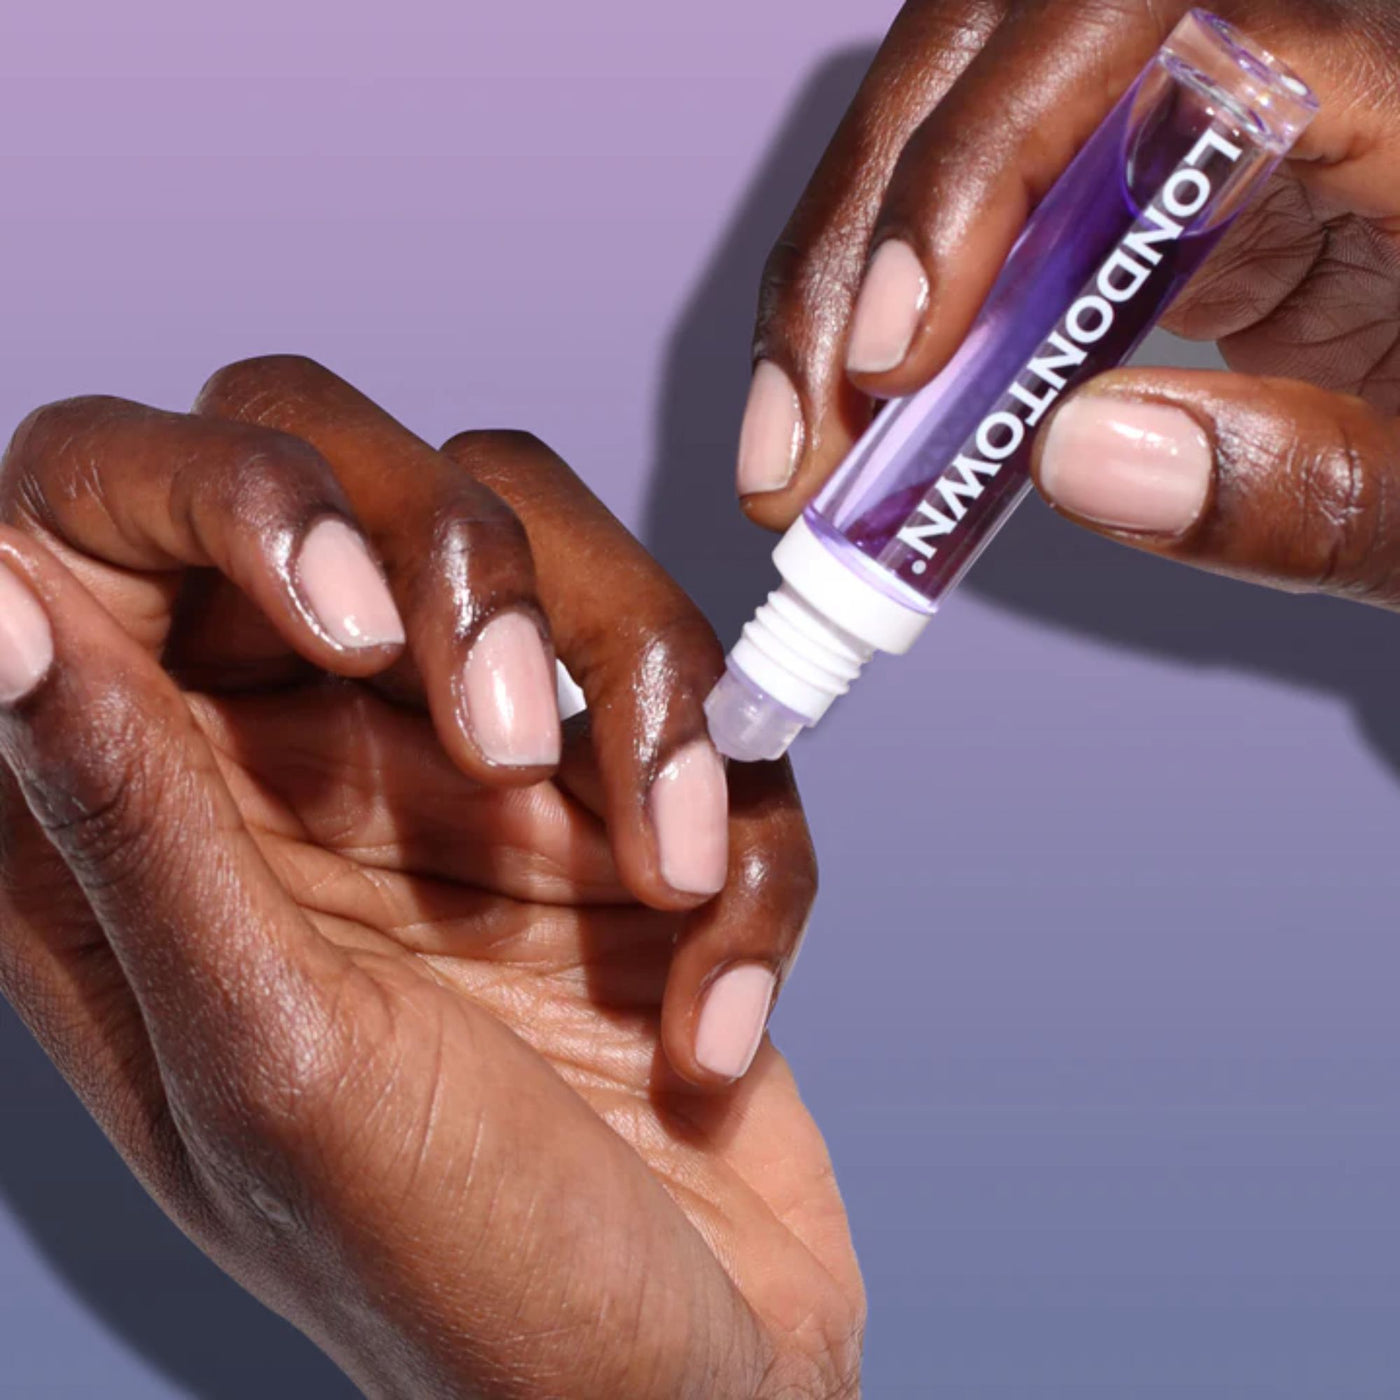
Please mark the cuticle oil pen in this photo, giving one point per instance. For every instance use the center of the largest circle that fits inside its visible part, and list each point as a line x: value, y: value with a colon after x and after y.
x: 926, y: 488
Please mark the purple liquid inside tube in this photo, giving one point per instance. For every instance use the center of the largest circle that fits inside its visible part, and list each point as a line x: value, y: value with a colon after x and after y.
x: 936, y: 475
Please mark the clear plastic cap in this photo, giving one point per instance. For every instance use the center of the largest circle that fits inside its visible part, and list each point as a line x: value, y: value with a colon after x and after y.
x: 1269, y: 99
x: 746, y: 723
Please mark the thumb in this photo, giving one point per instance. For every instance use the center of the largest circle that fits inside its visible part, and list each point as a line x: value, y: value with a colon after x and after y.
x: 1270, y: 480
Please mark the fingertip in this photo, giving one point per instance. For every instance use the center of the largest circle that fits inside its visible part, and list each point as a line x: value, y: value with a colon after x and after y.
x: 1121, y: 462
x: 737, y: 952
x: 509, y: 698
x: 26, y: 635
x: 732, y: 1018
x: 689, y: 808
x: 773, y: 510
x: 344, y: 596
x: 713, y: 1030
x: 889, y: 310
x: 772, y: 433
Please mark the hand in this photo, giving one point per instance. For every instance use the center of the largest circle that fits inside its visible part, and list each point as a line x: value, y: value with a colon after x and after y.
x: 364, y: 973
x: 970, y: 112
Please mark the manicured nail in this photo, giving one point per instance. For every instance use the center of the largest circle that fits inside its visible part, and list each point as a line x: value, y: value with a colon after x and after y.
x: 1132, y: 466
x: 690, y: 811
x: 343, y: 587
x: 792, y: 957
x: 892, y: 301
x: 770, y: 439
x: 511, y: 695
x: 26, y: 641
x: 732, y: 1019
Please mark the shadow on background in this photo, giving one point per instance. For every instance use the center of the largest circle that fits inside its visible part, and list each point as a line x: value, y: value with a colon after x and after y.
x: 692, y: 521
x: 113, y: 1249
x: 63, y: 1182
x: 86, y: 1213
x: 1041, y: 567
x: 1052, y: 572
x: 73, y: 1195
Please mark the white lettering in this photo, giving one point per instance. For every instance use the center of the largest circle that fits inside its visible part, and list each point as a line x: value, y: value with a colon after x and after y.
x: 965, y: 485
x: 917, y: 536
x: 1212, y: 140
x: 1039, y: 407
x: 1120, y: 262
x: 1139, y: 242
x: 1087, y: 334
x: 1120, y: 278
x: 1067, y: 356
x: 1015, y: 430
x: 1172, y: 201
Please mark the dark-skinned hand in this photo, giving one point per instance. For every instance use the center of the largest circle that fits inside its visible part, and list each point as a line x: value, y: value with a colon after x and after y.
x: 432, y: 1030
x: 1285, y: 471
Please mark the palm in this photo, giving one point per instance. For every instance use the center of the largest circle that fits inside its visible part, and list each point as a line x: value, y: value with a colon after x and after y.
x: 478, y: 909
x: 385, y: 1038
x: 1305, y: 287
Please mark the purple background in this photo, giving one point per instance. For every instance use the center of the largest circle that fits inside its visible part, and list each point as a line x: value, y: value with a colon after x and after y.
x: 1098, y: 1009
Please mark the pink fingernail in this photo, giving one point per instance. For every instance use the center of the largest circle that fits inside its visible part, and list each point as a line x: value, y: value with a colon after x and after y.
x: 1128, y: 465
x: 344, y: 589
x: 733, y: 1018
x: 511, y: 696
x: 26, y: 640
x: 771, y: 436
x: 690, y: 812
x: 892, y: 302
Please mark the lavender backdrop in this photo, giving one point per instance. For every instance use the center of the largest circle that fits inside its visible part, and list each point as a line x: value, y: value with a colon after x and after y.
x: 1099, y: 1007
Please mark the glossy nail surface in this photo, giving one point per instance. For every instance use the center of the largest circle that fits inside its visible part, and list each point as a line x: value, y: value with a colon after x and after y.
x: 26, y: 641
x: 770, y: 439
x: 732, y: 1019
x: 510, y: 692
x: 892, y: 301
x: 1128, y: 465
x: 690, y: 813
x: 344, y: 589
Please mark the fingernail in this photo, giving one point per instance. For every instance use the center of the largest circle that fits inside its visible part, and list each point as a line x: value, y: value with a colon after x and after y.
x: 732, y: 1019
x: 771, y: 436
x: 26, y: 640
x: 797, y: 946
x: 690, y: 811
x: 343, y: 587
x: 892, y: 301
x: 511, y: 696
x: 1132, y: 466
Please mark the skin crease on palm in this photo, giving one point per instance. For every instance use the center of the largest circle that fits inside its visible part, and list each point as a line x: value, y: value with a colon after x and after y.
x: 384, y: 1036
x: 407, y: 1041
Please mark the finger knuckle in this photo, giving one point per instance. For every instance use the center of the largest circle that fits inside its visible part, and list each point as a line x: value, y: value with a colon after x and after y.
x: 90, y: 799
x: 254, y: 387
x: 509, y: 442
x: 810, y: 282
x: 482, y: 542
x: 778, y: 868
x: 512, y: 461
x: 45, y: 435
x: 674, y: 652
x: 270, y: 480
x: 814, y: 269
x: 1343, y: 487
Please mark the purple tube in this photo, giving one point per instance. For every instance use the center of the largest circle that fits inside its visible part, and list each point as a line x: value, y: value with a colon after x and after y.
x: 937, y: 474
